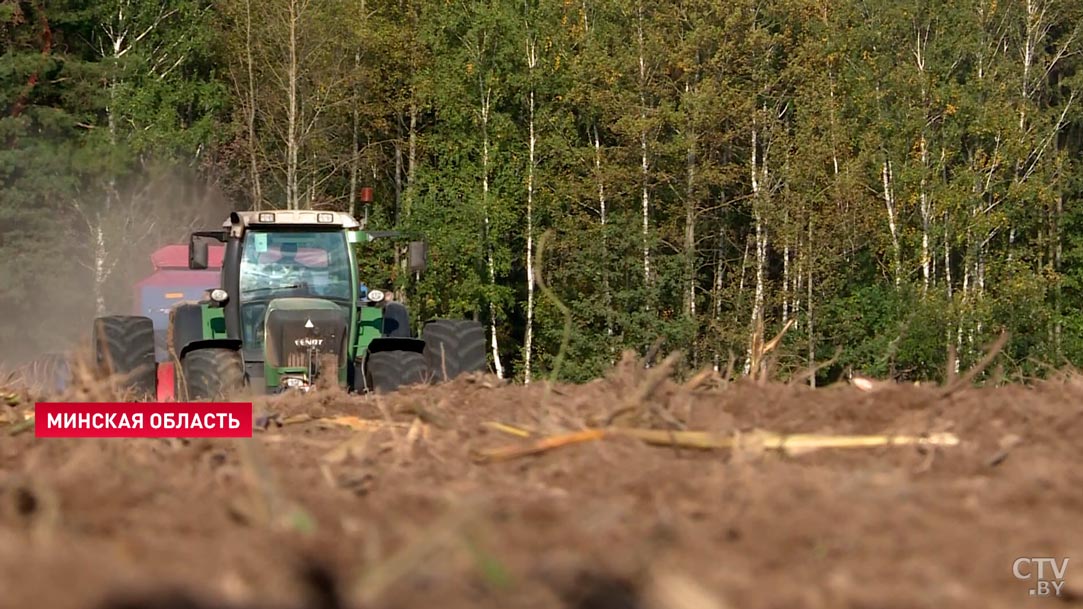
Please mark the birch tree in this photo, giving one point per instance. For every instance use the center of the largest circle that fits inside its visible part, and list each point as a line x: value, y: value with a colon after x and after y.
x: 532, y: 66
x: 295, y: 73
x: 144, y: 48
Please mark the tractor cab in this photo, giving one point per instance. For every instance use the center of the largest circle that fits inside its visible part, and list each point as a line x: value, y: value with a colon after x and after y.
x: 285, y: 275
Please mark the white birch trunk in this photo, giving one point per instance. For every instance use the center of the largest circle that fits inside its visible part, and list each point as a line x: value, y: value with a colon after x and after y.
x: 528, y: 340
x: 811, y: 325
x: 100, y: 271
x: 761, y: 252
x: 293, y: 195
x: 251, y: 111
x: 411, y: 160
x: 960, y: 319
x: 979, y: 275
x: 798, y: 281
x: 758, y: 299
x: 399, y: 194
x: 1035, y: 22
x: 786, y: 282
x: 947, y: 259
x: 355, y: 156
x: 121, y: 40
x: 717, y: 292
x: 643, y: 149
x: 892, y: 224
x: 603, y: 219
x: 490, y: 260
x: 923, y: 143
x: 690, y: 227
x: 1058, y: 254
x: 744, y: 269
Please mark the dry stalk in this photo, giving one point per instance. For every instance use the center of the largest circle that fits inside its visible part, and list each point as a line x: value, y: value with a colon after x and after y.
x: 731, y: 367
x: 968, y: 377
x: 639, y: 398
x: 760, y: 350
x: 362, y: 424
x: 806, y: 373
x: 756, y: 441
x: 701, y: 378
x: 508, y: 429
x: 539, y: 446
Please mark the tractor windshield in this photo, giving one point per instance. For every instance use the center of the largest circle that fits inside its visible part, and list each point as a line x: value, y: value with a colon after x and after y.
x: 281, y: 264
x: 309, y: 264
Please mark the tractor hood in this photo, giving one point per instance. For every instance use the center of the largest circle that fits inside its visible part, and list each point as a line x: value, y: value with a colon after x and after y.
x: 294, y: 327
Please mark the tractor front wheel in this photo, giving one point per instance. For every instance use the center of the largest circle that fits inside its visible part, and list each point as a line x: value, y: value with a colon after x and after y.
x: 454, y: 347
x: 390, y: 370
x: 124, y: 346
x: 396, y: 320
x: 210, y: 374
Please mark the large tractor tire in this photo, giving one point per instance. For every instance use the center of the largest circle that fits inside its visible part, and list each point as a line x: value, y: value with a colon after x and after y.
x: 454, y: 347
x: 124, y: 346
x: 210, y: 374
x: 387, y: 371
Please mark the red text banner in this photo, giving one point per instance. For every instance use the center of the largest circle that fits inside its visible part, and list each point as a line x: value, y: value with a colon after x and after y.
x: 143, y: 420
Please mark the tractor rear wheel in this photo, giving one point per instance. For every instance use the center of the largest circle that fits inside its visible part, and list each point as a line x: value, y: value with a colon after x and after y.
x: 210, y: 374
x: 124, y: 346
x: 454, y: 347
x: 390, y: 370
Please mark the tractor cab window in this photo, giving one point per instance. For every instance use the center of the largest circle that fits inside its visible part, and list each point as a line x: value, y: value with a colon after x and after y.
x: 286, y: 264
x: 299, y: 264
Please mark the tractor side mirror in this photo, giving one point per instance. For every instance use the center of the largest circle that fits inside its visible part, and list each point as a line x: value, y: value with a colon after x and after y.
x: 418, y: 252
x: 197, y: 253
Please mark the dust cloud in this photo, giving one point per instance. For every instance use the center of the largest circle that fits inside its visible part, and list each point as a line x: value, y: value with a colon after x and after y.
x: 50, y: 290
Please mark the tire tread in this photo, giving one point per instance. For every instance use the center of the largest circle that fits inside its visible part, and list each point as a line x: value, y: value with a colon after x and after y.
x: 211, y: 374
x: 124, y: 346
x: 454, y: 347
x: 390, y: 370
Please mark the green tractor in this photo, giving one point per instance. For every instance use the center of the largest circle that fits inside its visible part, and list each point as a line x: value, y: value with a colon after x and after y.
x: 289, y: 313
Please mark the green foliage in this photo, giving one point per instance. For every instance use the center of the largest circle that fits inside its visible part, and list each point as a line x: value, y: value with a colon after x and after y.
x: 910, y: 169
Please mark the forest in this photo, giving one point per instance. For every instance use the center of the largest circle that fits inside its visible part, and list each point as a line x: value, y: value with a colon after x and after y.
x: 893, y: 183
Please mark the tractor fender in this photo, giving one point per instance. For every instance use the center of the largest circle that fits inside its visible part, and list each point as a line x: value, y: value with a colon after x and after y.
x: 390, y: 343
x: 186, y: 332
x: 233, y: 344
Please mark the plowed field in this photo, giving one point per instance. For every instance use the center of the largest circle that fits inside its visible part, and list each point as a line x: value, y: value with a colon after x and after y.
x: 400, y: 514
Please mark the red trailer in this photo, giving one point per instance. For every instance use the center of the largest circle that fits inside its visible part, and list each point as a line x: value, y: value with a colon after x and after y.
x: 172, y: 282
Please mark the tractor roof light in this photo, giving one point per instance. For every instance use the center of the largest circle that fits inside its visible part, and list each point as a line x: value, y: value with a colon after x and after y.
x: 375, y: 296
x: 239, y: 221
x: 219, y: 295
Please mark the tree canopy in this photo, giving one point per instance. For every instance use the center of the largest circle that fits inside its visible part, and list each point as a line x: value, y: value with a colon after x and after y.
x: 894, y: 182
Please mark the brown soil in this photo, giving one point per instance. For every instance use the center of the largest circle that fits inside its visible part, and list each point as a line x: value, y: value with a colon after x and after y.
x: 403, y: 517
